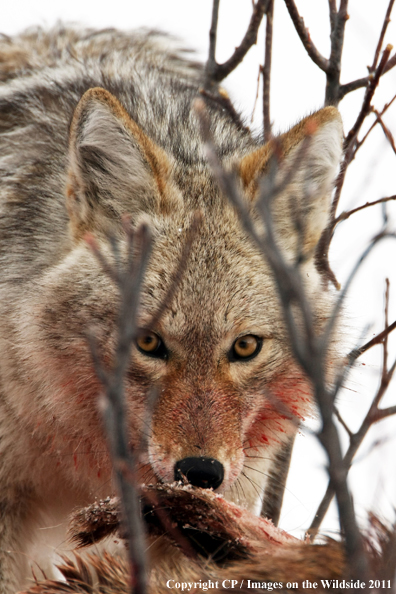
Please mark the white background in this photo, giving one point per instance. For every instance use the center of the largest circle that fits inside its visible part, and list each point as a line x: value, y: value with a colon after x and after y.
x: 297, y: 88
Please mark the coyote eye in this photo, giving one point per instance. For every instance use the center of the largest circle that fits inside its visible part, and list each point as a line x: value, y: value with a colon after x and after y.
x: 150, y: 344
x: 246, y: 347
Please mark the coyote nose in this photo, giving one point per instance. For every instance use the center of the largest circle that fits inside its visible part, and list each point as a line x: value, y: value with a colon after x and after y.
x: 200, y: 472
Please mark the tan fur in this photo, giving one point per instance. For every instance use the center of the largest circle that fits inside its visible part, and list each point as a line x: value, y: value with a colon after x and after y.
x: 134, y: 148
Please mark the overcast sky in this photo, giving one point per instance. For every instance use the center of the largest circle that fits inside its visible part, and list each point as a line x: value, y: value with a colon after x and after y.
x: 297, y: 89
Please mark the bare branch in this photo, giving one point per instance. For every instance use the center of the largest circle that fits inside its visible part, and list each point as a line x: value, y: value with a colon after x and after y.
x: 337, y: 27
x: 382, y: 35
x: 374, y: 341
x: 114, y: 409
x: 373, y: 415
x: 322, y: 253
x: 217, y: 72
x: 260, y: 71
x: 273, y: 499
x: 211, y: 63
x: 305, y: 37
x: 341, y: 420
x: 381, y: 113
x: 267, y: 73
x: 332, y: 7
x: 365, y: 109
x: 391, y: 63
x: 346, y: 214
x: 386, y: 131
x: 363, y: 82
x: 354, y: 85
x: 383, y: 413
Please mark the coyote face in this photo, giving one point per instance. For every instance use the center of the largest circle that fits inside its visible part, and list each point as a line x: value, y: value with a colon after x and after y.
x: 228, y: 390
x: 219, y: 355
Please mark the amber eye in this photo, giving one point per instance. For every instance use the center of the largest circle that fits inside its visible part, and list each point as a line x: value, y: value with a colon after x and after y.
x: 246, y: 347
x: 150, y: 344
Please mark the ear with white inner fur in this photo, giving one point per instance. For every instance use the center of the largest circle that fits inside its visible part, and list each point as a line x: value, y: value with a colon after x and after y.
x: 114, y: 168
x: 310, y: 156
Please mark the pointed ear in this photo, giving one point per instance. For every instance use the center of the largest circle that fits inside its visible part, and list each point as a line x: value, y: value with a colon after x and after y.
x: 305, y: 202
x: 114, y: 168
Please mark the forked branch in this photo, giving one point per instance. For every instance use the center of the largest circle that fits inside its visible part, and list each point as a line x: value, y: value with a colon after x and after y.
x: 216, y: 72
x: 115, y: 413
x: 128, y: 279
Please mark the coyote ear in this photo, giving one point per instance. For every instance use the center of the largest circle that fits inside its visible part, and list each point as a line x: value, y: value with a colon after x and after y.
x: 114, y: 167
x: 304, y: 203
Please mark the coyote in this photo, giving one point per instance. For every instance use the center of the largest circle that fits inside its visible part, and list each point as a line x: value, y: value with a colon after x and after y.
x: 95, y: 125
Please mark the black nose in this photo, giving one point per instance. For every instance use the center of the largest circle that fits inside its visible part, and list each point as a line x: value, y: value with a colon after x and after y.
x: 201, y: 472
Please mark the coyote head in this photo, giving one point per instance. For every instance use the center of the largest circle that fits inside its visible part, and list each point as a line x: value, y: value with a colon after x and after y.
x: 219, y: 356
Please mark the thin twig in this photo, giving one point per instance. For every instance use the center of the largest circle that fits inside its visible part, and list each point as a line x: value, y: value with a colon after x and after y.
x: 305, y: 37
x: 359, y: 143
x: 382, y: 36
x: 341, y: 420
x: 360, y: 83
x: 346, y: 214
x: 365, y: 109
x: 260, y: 70
x: 355, y: 353
x: 386, y: 131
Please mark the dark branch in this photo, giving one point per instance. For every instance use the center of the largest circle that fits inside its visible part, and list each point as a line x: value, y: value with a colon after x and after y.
x: 215, y: 72
x: 211, y: 63
x: 359, y: 143
x: 360, y: 83
x: 386, y: 130
x: 355, y: 353
x: 341, y: 420
x: 346, y: 214
x: 305, y: 37
x: 267, y: 73
x: 382, y: 35
x: 337, y: 27
x: 365, y: 109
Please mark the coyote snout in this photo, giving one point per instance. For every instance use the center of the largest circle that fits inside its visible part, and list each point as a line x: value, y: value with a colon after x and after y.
x: 206, y: 473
